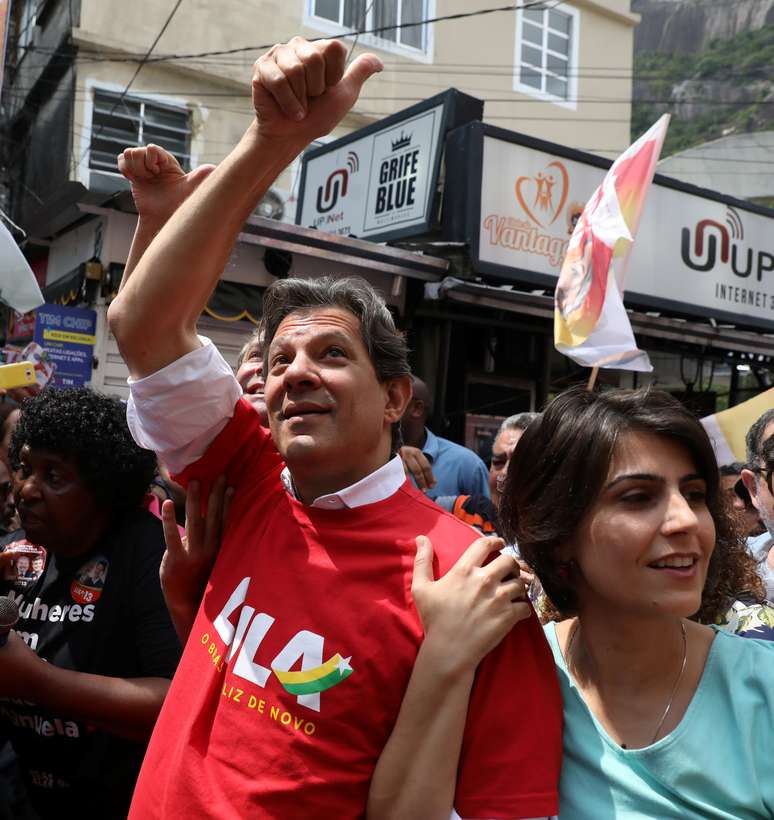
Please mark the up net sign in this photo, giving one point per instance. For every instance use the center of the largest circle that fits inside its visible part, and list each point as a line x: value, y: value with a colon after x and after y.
x: 380, y: 182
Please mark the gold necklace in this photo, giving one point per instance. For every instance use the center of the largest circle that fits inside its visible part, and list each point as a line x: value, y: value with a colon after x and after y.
x: 674, y: 688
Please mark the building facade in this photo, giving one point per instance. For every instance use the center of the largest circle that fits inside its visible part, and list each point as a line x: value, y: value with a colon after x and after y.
x: 562, y: 74
x: 80, y: 86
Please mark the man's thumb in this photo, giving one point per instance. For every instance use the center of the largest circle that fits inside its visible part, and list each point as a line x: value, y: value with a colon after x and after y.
x: 360, y: 70
x: 423, y: 561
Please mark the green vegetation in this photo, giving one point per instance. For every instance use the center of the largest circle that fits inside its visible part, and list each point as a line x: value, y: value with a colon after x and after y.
x: 734, y: 87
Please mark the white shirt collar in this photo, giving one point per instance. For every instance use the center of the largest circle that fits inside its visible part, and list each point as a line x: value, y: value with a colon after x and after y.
x: 377, y: 486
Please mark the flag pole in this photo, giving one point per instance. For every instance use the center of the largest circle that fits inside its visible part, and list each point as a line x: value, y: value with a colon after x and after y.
x: 592, y: 378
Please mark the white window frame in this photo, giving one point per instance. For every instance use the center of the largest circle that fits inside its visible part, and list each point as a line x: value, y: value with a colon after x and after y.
x: 28, y: 20
x: 93, y: 86
x: 572, y: 63
x: 325, y: 26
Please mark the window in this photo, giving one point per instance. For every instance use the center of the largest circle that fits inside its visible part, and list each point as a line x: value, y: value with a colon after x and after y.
x: 545, y: 52
x: 24, y: 18
x: 371, y: 14
x: 120, y: 123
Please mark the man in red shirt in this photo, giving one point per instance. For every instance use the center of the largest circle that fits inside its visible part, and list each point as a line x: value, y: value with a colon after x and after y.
x: 304, y: 642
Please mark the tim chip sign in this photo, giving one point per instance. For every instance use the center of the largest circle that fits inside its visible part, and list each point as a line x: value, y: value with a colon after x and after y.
x: 380, y: 182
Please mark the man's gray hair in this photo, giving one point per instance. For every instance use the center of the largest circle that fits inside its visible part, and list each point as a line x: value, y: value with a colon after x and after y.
x: 754, y: 439
x: 519, y: 421
x: 386, y: 345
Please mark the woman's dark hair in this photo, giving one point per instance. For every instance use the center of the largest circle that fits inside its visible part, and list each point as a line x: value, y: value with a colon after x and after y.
x: 559, y: 469
x: 91, y: 430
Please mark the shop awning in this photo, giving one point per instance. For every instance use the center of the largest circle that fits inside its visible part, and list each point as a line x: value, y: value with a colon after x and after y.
x: 343, y: 249
x: 704, y: 334
x: 67, y: 290
x: 232, y: 301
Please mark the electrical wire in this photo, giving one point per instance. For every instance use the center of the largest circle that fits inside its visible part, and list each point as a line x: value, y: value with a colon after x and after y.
x: 528, y: 5
x: 10, y: 221
x: 134, y: 76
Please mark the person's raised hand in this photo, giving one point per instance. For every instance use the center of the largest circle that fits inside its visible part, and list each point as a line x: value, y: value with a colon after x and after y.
x: 302, y: 90
x: 417, y: 465
x: 159, y: 184
x: 468, y: 611
x: 188, y: 560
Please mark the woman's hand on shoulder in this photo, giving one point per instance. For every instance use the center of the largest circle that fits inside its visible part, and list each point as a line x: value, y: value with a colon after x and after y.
x: 188, y: 560
x: 469, y: 610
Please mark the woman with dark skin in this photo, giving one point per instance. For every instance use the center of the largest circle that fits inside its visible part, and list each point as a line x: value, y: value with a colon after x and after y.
x: 89, y: 666
x: 614, y: 500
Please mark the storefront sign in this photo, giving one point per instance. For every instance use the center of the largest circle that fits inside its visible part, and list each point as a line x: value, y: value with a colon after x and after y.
x: 20, y: 325
x: 696, y: 252
x: 67, y: 335
x: 380, y: 181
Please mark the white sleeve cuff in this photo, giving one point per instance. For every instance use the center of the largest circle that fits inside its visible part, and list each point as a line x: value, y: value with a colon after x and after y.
x: 179, y: 410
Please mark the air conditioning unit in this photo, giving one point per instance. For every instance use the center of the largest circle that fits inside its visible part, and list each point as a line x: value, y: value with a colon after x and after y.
x: 272, y: 206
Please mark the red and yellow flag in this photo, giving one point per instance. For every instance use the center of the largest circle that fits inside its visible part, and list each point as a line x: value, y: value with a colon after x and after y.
x: 590, y: 322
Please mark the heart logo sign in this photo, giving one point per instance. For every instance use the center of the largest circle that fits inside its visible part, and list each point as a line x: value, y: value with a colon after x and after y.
x: 549, y: 186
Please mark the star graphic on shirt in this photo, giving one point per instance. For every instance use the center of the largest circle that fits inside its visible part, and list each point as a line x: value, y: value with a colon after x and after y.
x: 344, y: 665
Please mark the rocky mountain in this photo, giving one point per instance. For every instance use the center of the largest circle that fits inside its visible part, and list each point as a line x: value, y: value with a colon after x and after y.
x: 708, y: 62
x: 689, y: 26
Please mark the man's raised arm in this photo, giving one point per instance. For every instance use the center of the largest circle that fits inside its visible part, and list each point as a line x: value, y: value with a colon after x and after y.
x: 300, y: 92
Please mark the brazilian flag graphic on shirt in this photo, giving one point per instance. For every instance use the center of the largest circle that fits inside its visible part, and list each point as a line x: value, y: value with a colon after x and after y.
x: 318, y: 679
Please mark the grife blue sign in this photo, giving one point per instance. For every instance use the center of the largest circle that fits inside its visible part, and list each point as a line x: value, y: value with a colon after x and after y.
x: 68, y: 335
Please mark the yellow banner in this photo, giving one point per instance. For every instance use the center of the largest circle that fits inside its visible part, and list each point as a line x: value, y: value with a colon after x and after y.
x: 66, y: 336
x: 735, y: 423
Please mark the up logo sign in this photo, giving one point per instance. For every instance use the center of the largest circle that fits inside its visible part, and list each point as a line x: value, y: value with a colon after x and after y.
x: 337, y: 184
x: 712, y: 242
x: 244, y: 641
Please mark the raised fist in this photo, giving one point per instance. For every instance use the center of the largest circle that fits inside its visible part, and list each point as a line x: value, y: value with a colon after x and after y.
x: 302, y: 90
x: 159, y: 184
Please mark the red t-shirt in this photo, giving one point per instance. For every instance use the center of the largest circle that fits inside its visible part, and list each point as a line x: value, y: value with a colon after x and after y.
x: 301, y: 651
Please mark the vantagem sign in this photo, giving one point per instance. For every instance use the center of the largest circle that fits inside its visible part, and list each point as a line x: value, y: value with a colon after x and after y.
x: 380, y: 182
x: 696, y: 252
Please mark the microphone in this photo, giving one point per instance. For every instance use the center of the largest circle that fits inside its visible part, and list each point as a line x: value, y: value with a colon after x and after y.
x: 9, y: 615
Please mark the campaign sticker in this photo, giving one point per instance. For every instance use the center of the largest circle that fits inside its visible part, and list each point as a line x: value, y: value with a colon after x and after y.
x: 27, y: 565
x: 89, y: 581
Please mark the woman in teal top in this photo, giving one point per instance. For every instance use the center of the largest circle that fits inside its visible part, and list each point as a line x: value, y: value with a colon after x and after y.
x: 716, y: 763
x: 614, y: 501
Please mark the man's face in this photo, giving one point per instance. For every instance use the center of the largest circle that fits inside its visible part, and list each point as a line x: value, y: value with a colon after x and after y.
x: 756, y: 485
x: 502, y: 450
x: 328, y: 412
x: 748, y: 516
x: 250, y: 378
x: 10, y: 426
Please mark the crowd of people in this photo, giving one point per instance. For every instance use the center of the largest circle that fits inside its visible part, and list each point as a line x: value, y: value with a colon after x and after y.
x: 276, y: 593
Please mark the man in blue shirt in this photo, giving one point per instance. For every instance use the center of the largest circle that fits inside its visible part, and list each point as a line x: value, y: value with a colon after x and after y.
x: 457, y: 470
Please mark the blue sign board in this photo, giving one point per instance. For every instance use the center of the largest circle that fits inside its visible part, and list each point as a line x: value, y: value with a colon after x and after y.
x: 67, y: 335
